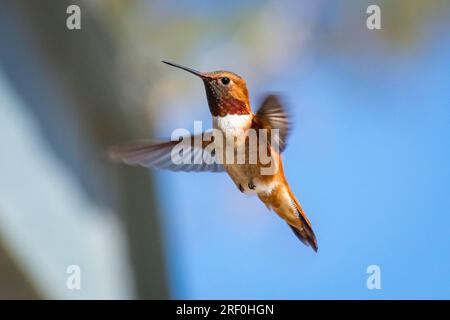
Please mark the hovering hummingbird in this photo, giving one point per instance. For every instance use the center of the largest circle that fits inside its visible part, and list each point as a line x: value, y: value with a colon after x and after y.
x: 229, y: 105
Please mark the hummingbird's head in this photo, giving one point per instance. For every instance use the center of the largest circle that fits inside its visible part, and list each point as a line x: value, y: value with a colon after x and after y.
x: 226, y: 91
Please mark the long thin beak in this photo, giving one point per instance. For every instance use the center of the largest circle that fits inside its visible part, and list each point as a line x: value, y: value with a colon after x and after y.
x: 197, y: 73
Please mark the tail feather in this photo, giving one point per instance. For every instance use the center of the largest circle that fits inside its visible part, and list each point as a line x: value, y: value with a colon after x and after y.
x: 305, y: 232
x: 306, y: 235
x: 284, y: 203
x: 282, y: 200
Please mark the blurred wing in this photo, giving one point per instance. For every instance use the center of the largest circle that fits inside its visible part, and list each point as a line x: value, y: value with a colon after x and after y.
x: 159, y: 155
x: 272, y: 115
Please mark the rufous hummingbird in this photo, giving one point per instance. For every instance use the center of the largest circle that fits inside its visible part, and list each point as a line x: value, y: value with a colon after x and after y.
x: 229, y: 105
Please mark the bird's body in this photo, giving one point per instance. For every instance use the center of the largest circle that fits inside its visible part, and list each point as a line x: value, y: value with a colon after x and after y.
x: 234, y: 129
x: 273, y: 189
x: 234, y: 120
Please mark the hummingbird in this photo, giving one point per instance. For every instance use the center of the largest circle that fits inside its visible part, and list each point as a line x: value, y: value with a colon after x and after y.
x: 229, y: 104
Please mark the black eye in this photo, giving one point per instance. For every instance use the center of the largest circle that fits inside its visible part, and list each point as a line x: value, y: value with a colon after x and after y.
x: 225, y: 80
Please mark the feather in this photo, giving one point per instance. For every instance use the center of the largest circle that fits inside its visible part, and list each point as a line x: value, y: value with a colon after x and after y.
x: 273, y: 115
x: 159, y: 155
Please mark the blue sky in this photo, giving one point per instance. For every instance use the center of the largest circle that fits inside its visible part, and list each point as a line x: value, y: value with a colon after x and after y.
x: 369, y: 161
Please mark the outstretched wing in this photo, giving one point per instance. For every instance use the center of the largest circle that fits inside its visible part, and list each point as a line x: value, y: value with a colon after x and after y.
x: 273, y: 115
x: 159, y: 155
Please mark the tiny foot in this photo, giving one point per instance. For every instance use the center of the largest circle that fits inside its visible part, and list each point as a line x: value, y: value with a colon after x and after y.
x: 241, y: 188
x: 251, y: 185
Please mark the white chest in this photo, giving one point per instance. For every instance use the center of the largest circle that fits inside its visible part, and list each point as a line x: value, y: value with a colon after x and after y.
x: 232, y: 125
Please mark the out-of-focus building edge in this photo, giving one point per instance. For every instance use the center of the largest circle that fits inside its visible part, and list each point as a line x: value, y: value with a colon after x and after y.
x: 83, y: 63
x: 15, y: 283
